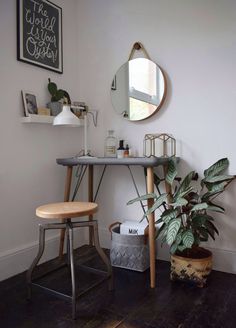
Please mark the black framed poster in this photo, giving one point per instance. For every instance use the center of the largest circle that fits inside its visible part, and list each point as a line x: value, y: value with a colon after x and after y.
x: 39, y: 34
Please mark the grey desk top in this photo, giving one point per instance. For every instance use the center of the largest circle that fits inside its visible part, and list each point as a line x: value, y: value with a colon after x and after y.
x: 142, y: 161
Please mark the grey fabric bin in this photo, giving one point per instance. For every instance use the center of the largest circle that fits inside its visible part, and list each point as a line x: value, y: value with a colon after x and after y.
x: 129, y: 251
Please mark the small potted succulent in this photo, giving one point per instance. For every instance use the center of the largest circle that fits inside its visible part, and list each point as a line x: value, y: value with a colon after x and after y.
x: 187, y: 219
x: 58, y: 97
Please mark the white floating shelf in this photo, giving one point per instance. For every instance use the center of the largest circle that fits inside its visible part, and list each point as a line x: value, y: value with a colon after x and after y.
x: 33, y: 118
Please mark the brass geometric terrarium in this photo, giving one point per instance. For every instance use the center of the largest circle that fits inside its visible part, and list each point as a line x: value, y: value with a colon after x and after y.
x: 159, y: 145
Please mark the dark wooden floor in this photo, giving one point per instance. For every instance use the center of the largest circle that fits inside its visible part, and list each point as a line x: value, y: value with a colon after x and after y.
x: 132, y: 305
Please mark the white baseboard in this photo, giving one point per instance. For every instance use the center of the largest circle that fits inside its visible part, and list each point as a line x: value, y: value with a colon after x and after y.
x: 18, y: 260
x: 223, y: 260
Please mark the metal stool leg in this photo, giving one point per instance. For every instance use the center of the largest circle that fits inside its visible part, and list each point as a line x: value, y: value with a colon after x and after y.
x: 73, y: 283
x: 102, y: 254
x: 37, y: 258
x: 67, y: 247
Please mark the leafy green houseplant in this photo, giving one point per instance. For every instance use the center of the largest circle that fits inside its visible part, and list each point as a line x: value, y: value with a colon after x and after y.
x: 58, y: 97
x: 188, y: 216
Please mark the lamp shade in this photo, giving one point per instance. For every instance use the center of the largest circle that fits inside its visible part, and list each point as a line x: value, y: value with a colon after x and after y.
x: 66, y: 117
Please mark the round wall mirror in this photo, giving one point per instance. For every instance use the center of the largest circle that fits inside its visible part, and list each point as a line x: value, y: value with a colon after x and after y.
x: 138, y: 89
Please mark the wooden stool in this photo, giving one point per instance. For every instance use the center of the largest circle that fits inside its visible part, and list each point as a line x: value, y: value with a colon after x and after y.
x: 66, y: 211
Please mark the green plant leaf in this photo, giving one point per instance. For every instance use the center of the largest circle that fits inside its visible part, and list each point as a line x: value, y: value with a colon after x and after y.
x: 181, y: 248
x: 173, y: 248
x: 203, y: 234
x: 171, y: 172
x: 213, y: 204
x: 188, y: 238
x: 161, y: 231
x: 168, y: 215
x: 52, y: 88
x: 216, y: 208
x: 178, y: 239
x: 185, y: 192
x: 199, y: 220
x: 59, y: 94
x: 210, y: 226
x: 141, y: 198
x: 218, y: 178
x: 210, y: 232
x: 217, y: 167
x: 158, y: 202
x: 163, y: 240
x: 215, y: 189
x: 180, y: 202
x: 184, y: 185
x: 173, y: 229
x: 199, y: 207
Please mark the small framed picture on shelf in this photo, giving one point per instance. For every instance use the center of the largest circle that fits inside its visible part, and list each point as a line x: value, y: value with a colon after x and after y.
x: 29, y: 102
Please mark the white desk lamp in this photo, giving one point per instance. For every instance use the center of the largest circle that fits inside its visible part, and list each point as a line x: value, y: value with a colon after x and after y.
x: 67, y: 118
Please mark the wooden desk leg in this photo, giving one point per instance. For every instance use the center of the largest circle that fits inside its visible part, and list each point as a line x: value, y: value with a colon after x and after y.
x: 151, y: 219
x: 66, y: 199
x: 90, y: 199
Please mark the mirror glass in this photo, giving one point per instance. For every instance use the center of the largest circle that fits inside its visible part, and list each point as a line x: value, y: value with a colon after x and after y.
x: 138, y: 89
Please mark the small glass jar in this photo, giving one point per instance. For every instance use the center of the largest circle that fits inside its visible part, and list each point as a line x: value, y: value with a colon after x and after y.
x: 110, y: 145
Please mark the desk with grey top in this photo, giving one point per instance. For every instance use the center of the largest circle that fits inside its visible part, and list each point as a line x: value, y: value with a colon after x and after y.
x: 90, y: 162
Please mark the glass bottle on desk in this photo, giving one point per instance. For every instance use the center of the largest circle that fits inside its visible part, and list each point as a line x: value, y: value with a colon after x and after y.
x: 121, y: 149
x: 126, y: 151
x: 110, y: 145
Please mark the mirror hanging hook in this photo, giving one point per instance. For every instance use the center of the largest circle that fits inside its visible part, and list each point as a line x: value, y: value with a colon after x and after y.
x: 138, y: 46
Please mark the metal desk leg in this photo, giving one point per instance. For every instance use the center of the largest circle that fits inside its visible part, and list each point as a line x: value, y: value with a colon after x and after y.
x: 90, y: 199
x: 151, y: 219
x: 66, y: 199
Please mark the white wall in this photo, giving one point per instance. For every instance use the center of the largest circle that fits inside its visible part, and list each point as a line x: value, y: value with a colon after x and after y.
x: 29, y: 175
x: 194, y: 42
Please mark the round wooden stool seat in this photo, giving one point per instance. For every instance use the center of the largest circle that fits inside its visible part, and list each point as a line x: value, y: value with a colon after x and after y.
x: 66, y: 210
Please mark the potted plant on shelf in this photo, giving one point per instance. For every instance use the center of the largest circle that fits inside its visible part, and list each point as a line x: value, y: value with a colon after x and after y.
x: 58, y: 97
x: 187, y: 219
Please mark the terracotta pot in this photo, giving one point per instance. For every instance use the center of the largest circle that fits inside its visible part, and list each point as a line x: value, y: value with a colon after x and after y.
x: 195, y: 270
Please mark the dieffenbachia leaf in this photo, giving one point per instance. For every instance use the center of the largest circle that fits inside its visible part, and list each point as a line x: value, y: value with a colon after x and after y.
x: 168, y: 215
x: 180, y: 202
x: 173, y: 229
x: 217, y: 167
x: 178, y: 238
x: 185, y: 192
x: 214, y: 190
x: 173, y: 248
x: 216, y: 208
x: 199, y: 207
x: 158, y: 202
x: 144, y: 197
x: 188, y: 238
x: 184, y: 185
x: 199, y: 220
x: 218, y: 178
x: 171, y: 172
x: 161, y: 231
x: 203, y: 233
x: 181, y: 248
x: 211, y: 227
